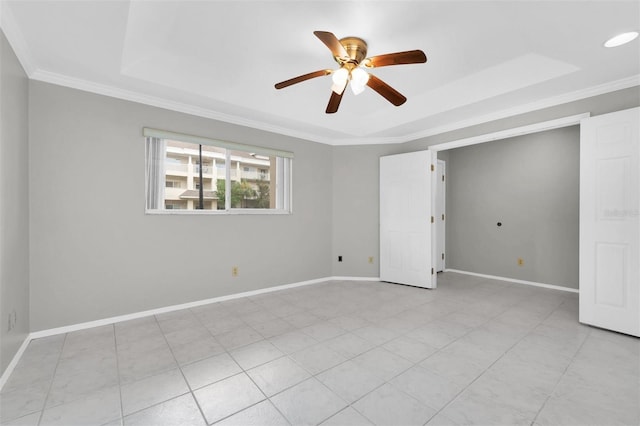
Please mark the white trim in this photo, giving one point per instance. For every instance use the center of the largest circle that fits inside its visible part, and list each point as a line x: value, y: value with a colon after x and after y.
x: 16, y: 39
x: 217, y: 212
x: 133, y: 96
x: 513, y: 280
x: 130, y: 95
x: 12, y: 365
x: 373, y: 279
x: 20, y: 47
x: 142, y: 314
x: 202, y: 140
x: 577, y: 95
x: 516, y: 131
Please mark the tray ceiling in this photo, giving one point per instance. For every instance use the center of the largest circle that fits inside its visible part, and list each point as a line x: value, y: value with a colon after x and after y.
x: 220, y: 59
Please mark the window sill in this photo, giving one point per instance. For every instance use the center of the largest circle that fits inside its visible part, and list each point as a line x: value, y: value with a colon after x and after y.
x: 266, y: 212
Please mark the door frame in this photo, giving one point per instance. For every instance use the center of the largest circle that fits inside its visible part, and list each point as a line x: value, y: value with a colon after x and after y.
x: 441, y: 193
x: 558, y: 123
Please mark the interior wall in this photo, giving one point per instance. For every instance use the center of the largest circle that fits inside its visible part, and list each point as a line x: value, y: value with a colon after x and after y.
x: 14, y: 203
x: 356, y: 200
x: 96, y: 254
x: 529, y: 184
x: 354, y: 235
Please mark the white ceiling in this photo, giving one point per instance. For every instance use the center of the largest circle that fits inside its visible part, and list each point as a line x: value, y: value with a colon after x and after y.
x: 220, y: 59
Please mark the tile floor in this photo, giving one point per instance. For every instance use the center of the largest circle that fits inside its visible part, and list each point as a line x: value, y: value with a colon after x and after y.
x: 474, y: 351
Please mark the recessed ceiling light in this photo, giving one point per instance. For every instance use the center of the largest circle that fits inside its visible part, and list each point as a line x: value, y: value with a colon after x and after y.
x: 621, y: 39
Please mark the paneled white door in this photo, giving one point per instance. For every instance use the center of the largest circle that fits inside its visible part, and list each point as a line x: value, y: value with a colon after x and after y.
x: 405, y: 219
x: 609, y: 221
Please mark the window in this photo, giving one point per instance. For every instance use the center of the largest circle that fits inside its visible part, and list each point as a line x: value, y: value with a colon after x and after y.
x: 191, y: 173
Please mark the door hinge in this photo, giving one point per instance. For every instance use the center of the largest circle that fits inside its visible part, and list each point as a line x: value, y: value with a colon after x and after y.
x: 432, y: 219
x: 442, y: 256
x: 442, y: 216
x: 443, y: 178
x: 433, y: 168
x: 432, y: 271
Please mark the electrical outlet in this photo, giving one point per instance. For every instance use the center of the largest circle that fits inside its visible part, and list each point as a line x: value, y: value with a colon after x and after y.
x: 370, y: 259
x: 520, y: 261
x: 234, y: 271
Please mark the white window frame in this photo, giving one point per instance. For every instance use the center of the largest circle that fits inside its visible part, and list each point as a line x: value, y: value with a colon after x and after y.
x: 283, y: 175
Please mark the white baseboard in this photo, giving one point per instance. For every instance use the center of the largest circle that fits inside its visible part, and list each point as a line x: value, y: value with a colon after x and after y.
x: 355, y: 279
x: 12, y: 365
x: 165, y: 309
x: 513, y: 280
x: 112, y: 320
x: 142, y: 314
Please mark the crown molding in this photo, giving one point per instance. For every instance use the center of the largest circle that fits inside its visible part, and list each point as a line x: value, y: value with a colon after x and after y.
x: 155, y: 101
x: 115, y: 92
x: 565, y: 98
x: 16, y: 39
x: 28, y: 62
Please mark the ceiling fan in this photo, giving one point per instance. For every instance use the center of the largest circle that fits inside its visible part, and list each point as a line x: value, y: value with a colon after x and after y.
x: 351, y: 54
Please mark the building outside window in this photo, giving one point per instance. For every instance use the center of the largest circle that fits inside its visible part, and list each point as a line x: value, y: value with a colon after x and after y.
x: 183, y: 175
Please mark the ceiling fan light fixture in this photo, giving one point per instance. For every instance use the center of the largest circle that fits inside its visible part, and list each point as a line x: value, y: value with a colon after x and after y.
x: 359, y: 79
x: 621, y: 39
x: 351, y: 53
x: 340, y: 76
x: 356, y: 89
x: 339, y: 88
x: 340, y: 79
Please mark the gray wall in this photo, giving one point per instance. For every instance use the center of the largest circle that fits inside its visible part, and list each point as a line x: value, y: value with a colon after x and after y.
x: 528, y: 183
x: 14, y: 203
x: 355, y: 209
x: 95, y: 254
x: 355, y: 235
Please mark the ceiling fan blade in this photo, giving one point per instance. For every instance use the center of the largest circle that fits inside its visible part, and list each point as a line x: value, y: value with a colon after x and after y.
x: 332, y: 42
x: 398, y: 58
x: 334, y: 102
x: 386, y: 91
x: 301, y: 78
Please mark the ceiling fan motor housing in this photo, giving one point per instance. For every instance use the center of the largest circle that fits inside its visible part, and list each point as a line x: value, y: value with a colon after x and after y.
x: 356, y: 49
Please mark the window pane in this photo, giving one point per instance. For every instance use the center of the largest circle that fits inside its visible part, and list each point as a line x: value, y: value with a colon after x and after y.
x: 182, y: 176
x: 178, y: 173
x: 252, y: 181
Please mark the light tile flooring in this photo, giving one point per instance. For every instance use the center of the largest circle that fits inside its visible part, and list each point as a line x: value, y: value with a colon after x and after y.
x: 474, y: 351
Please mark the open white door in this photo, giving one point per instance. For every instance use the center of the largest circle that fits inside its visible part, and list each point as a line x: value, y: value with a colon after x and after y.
x: 609, y: 221
x: 405, y: 219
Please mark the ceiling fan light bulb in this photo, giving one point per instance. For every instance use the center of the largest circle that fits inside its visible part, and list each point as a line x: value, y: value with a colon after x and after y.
x: 359, y: 76
x: 356, y: 88
x: 340, y: 77
x: 338, y: 88
x: 359, y: 79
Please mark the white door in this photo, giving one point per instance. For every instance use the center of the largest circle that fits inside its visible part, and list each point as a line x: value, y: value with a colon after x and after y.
x: 405, y: 219
x: 609, y: 221
x: 440, y: 215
